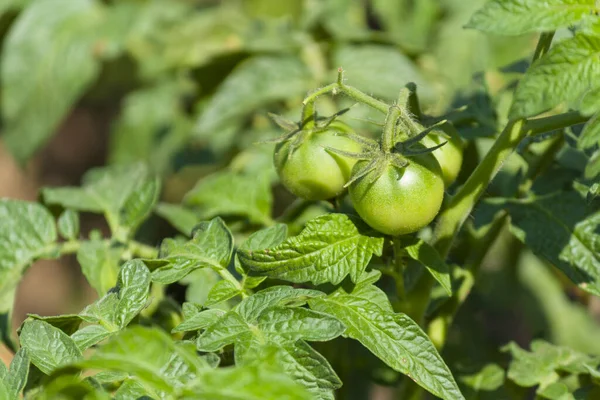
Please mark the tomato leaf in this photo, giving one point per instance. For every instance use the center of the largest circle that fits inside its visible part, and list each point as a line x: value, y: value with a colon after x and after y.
x: 47, y: 346
x: 57, y: 56
x: 564, y: 74
x: 427, y: 255
x: 394, y: 338
x: 99, y: 261
x: 516, y: 17
x: 68, y: 224
x: 253, y: 306
x: 180, y: 217
x: 223, y: 290
x: 27, y: 233
x: 199, y: 320
x: 569, y: 239
x: 328, y: 249
x: 16, y: 377
x: 229, y: 328
x: 232, y: 194
x: 210, y: 247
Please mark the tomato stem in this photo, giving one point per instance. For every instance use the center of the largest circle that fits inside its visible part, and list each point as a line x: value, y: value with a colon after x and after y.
x: 389, y: 129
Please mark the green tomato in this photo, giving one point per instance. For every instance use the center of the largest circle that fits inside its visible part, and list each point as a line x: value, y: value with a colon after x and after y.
x: 400, y: 200
x: 310, y: 171
x: 450, y: 155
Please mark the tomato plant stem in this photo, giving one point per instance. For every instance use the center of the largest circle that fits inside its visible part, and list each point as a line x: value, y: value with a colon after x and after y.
x: 389, y: 129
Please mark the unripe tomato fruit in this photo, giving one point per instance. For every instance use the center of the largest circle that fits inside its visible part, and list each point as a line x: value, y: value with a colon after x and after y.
x: 401, y: 200
x: 449, y: 156
x: 311, y: 172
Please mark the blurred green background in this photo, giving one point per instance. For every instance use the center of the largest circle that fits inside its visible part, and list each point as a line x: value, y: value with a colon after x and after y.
x: 185, y: 86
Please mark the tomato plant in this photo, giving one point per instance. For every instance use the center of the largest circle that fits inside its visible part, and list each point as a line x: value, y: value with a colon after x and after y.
x: 429, y: 227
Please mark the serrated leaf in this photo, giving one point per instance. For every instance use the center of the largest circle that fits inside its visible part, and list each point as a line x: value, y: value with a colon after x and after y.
x: 564, y: 74
x: 99, y: 261
x: 394, y: 338
x: 558, y: 228
x: 229, y: 328
x: 90, y: 335
x: 148, y: 354
x: 254, y: 83
x: 68, y: 224
x: 301, y: 362
x: 27, y: 232
x: 131, y: 389
x: 328, y: 249
x: 542, y: 364
x: 253, y: 306
x: 119, y: 306
x: 590, y: 135
x: 424, y: 253
x: 282, y: 324
x: 246, y: 383
x: 210, y: 247
x: 18, y: 372
x: 139, y: 204
x: 103, y: 190
x: 181, y: 218
x: 232, y: 194
x: 68, y: 323
x: 199, y: 320
x: 56, y: 55
x: 516, y: 17
x: 47, y: 346
x: 266, y: 238
x: 221, y: 291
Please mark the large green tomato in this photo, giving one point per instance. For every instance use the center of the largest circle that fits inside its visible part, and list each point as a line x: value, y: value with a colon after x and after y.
x: 311, y: 172
x: 400, y: 200
x: 450, y: 155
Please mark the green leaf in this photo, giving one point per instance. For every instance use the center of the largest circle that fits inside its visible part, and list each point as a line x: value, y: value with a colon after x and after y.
x: 68, y: 224
x: 384, y: 70
x: 131, y: 389
x: 254, y: 83
x: 488, y: 379
x: 266, y: 238
x: 17, y: 375
x: 394, y: 338
x: 592, y: 169
x: 47, y: 346
x: 253, y: 306
x: 103, y: 190
x: 199, y: 320
x: 180, y: 217
x: 27, y: 232
x: 516, y: 17
x: 282, y: 324
x: 119, y: 306
x: 56, y: 56
x: 558, y: 228
x: 140, y: 203
x: 232, y: 194
x: 4, y: 395
x: 226, y: 330
x: 90, y: 335
x: 68, y: 323
x: 425, y: 254
x: 555, y: 391
x: 590, y: 135
x: 246, y: 383
x: 564, y: 74
x: 148, y: 354
x: 99, y: 260
x: 542, y: 364
x: 210, y: 247
x: 328, y: 249
x: 301, y: 362
x: 222, y: 291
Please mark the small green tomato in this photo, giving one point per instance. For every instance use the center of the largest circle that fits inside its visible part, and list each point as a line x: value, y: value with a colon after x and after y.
x: 400, y: 200
x: 310, y: 171
x: 449, y: 156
